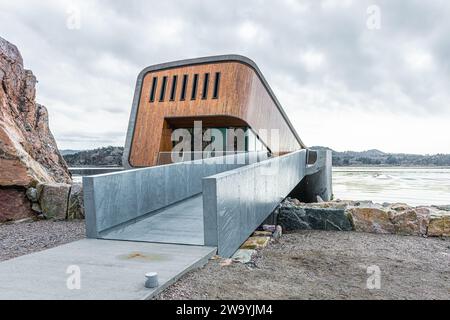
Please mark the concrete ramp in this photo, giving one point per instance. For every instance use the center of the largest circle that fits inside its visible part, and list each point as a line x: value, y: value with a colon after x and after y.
x: 217, y: 202
x: 108, y: 270
x: 180, y: 223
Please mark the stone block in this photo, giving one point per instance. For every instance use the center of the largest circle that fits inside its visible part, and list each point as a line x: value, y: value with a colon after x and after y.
x: 371, y: 220
x: 53, y: 199
x: 439, y: 225
x: 75, y: 208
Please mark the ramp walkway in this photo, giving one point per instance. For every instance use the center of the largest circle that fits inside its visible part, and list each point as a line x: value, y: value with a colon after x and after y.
x: 216, y: 202
x: 181, y: 223
x: 109, y: 270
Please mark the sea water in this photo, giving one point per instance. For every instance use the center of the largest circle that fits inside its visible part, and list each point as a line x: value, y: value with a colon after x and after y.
x: 414, y: 186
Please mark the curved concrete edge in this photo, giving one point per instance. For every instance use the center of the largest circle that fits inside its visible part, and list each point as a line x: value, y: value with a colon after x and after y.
x: 196, y: 61
x: 318, y: 181
x: 236, y: 202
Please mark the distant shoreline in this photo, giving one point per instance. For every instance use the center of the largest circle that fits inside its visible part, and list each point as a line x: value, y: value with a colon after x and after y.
x: 112, y: 157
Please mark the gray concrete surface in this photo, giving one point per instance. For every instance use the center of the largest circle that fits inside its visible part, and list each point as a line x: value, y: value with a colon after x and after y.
x: 109, y: 270
x: 236, y: 202
x: 318, y: 180
x: 180, y: 223
x: 116, y: 198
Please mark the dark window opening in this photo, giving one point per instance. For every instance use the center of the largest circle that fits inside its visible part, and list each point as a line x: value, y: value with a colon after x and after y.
x: 153, y: 90
x: 205, y: 86
x: 173, y: 90
x: 216, y: 86
x: 194, y: 87
x: 183, y: 87
x: 163, y: 89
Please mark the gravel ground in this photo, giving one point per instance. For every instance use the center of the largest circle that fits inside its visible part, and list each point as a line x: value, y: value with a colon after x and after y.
x: 27, y: 237
x: 327, y: 265
x: 303, y: 265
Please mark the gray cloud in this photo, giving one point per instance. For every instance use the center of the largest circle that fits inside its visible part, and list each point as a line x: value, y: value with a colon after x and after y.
x: 319, y: 56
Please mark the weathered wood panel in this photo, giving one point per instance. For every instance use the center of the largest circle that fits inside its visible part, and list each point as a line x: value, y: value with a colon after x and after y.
x: 243, y: 99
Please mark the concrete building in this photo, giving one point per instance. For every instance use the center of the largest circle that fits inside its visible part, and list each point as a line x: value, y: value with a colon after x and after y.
x: 209, y: 154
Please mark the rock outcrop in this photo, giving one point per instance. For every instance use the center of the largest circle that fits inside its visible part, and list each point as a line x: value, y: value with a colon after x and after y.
x: 28, y: 151
x: 14, y: 204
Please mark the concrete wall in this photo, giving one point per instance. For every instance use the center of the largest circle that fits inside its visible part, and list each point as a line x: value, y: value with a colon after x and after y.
x: 116, y: 198
x: 236, y: 202
x: 318, y: 180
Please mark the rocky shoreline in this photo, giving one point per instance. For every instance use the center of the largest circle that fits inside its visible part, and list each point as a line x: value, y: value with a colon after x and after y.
x: 365, y: 216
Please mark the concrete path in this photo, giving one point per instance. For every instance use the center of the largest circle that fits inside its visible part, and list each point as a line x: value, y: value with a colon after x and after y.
x: 109, y: 270
x: 181, y: 223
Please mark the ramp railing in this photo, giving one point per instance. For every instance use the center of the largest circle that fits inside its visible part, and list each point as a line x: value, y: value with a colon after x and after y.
x: 122, y: 197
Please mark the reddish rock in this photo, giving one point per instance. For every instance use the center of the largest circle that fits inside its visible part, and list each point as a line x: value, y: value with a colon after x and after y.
x: 410, y: 221
x: 371, y: 220
x: 14, y: 205
x: 28, y: 151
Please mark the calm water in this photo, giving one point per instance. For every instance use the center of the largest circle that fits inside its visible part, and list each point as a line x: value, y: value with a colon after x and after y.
x: 414, y: 186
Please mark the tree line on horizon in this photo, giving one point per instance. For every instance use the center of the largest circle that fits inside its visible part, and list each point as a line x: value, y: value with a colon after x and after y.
x: 112, y: 156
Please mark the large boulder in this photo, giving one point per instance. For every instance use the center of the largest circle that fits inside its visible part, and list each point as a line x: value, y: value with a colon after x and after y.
x: 75, y: 209
x: 297, y: 217
x: 439, y: 225
x: 408, y: 220
x: 28, y: 151
x: 371, y: 220
x: 53, y: 200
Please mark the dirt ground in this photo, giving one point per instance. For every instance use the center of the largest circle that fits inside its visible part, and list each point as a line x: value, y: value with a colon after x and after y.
x: 327, y: 265
x: 303, y: 265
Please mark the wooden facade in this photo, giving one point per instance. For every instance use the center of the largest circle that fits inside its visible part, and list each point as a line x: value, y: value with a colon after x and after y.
x: 225, y: 91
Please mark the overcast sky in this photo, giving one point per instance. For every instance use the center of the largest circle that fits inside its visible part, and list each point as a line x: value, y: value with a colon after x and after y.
x: 349, y: 75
